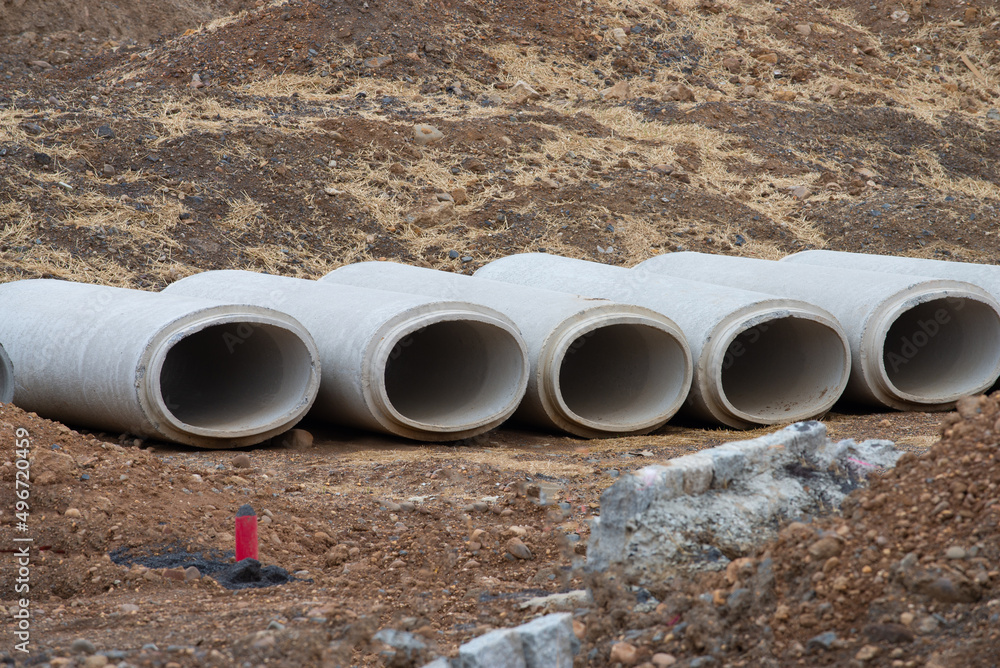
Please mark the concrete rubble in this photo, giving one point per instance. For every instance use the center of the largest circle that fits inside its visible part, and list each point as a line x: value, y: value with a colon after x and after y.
x: 695, y: 512
x: 699, y: 511
x: 545, y: 642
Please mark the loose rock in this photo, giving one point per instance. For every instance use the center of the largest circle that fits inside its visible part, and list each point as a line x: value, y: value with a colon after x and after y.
x: 518, y: 548
x: 426, y: 134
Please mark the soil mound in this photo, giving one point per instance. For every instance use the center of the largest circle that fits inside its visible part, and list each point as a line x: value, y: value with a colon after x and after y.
x: 908, y: 566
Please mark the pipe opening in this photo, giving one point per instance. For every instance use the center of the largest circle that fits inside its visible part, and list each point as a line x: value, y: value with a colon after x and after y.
x: 784, y: 369
x: 623, y: 377
x: 453, y: 374
x: 6, y: 378
x: 943, y: 349
x: 235, y: 376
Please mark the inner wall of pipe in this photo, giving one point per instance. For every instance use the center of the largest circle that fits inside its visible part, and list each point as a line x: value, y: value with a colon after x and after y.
x: 943, y: 348
x: 783, y: 369
x: 235, y: 376
x: 623, y: 376
x: 455, y: 373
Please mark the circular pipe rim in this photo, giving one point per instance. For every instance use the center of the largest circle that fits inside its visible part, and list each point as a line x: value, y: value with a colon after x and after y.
x: 406, y: 323
x: 887, y: 313
x: 6, y: 377
x: 155, y: 355
x: 558, y: 345
x: 746, y: 319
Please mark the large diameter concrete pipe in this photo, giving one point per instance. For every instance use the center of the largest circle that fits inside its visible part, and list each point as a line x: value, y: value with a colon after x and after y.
x: 418, y: 367
x: 757, y: 360
x: 167, y: 367
x: 597, y: 368
x: 6, y: 377
x: 986, y: 276
x: 918, y: 343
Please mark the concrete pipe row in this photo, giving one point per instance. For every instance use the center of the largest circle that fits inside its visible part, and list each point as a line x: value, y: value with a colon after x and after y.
x: 918, y: 342
x: 596, y: 368
x: 757, y: 359
x: 231, y: 358
x: 186, y: 370
x: 414, y: 366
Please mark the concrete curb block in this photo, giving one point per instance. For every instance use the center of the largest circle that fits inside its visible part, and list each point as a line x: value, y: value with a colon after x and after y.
x: 545, y: 642
x: 735, y: 492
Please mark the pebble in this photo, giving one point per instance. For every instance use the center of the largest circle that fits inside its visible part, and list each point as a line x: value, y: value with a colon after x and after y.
x: 680, y: 93
x: 150, y: 647
x: 822, y: 641
x: 82, y: 646
x: 32, y: 128
x: 105, y: 132
x: 377, y: 62
x: 275, y: 625
x: 297, y: 439
x: 955, y: 552
x: 620, y: 91
x: 804, y: 29
x: 517, y: 548
x: 993, y: 114
x: 240, y: 461
x: 426, y: 134
x: 867, y: 653
x: 522, y: 92
x: 73, y: 513
x: 825, y: 548
x: 623, y: 652
x: 620, y: 36
x: 950, y: 589
x: 128, y: 608
x: 192, y: 573
x: 95, y: 661
x: 926, y: 624
x: 662, y: 660
x: 42, y: 158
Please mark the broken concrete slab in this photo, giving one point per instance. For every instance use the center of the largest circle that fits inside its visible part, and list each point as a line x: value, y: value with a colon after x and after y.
x: 544, y: 642
x: 497, y: 649
x: 698, y: 511
x: 549, y: 641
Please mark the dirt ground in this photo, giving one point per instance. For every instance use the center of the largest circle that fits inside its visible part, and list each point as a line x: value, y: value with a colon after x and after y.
x: 143, y: 142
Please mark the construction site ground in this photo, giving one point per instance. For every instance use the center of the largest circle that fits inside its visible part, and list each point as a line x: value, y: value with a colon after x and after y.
x: 140, y: 143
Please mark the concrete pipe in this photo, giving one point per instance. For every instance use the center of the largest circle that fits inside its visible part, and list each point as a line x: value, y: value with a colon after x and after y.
x: 918, y: 343
x: 757, y: 360
x: 597, y: 368
x: 6, y: 378
x: 422, y: 368
x: 168, y: 367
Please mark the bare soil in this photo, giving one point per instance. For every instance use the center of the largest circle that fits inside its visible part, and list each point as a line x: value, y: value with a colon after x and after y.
x: 142, y: 142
